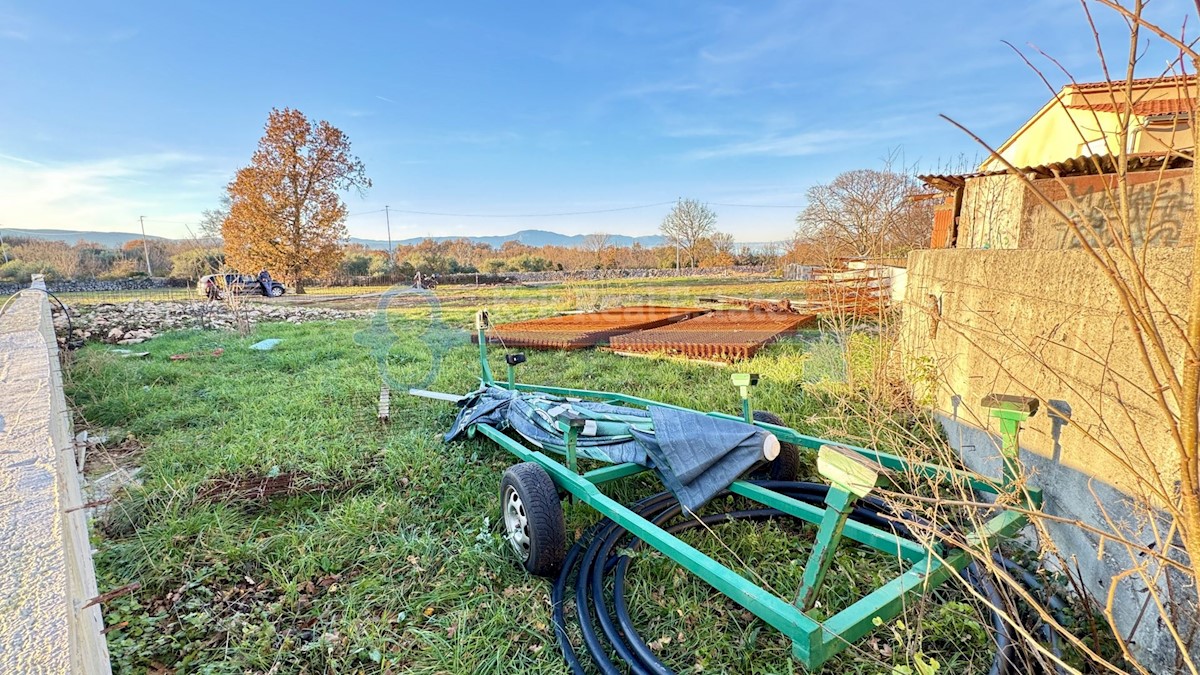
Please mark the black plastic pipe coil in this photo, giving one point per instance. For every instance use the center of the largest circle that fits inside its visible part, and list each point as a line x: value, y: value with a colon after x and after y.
x: 604, y: 622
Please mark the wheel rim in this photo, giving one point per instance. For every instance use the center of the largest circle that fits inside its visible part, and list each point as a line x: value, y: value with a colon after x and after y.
x: 516, y: 523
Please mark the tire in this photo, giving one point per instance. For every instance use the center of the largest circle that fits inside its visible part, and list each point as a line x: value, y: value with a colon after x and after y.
x: 786, y: 465
x: 533, y: 519
x: 276, y: 290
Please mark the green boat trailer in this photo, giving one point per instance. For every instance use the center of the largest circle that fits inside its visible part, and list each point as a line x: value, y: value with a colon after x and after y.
x: 852, y: 471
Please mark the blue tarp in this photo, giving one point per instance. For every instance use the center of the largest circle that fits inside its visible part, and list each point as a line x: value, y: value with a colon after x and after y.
x: 697, y: 456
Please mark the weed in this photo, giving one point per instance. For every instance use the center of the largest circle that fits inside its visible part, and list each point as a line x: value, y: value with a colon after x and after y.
x: 407, y: 571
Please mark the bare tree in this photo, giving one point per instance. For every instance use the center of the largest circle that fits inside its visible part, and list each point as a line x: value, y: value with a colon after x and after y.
x: 866, y: 212
x: 722, y: 242
x: 211, y: 220
x: 688, y: 224
x: 597, y: 244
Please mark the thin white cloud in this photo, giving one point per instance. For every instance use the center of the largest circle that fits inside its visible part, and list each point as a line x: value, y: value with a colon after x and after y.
x: 685, y: 130
x: 752, y: 52
x: 121, y: 34
x: 476, y: 137
x: 107, y: 194
x: 786, y: 145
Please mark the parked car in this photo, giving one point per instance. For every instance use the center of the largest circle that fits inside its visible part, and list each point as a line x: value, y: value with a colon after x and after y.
x: 239, y: 284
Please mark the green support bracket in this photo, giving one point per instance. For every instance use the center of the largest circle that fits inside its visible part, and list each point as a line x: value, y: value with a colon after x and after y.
x: 1011, y: 411
x: 571, y: 424
x: 840, y: 504
x: 482, y: 323
x: 743, y: 381
x: 512, y: 361
x: 851, y: 476
x: 613, y: 472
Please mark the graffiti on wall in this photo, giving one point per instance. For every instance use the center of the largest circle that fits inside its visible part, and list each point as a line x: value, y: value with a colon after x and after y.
x: 1159, y: 212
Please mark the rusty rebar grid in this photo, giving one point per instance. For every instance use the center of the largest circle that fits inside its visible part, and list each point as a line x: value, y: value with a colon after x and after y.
x: 723, y: 335
x: 588, y: 329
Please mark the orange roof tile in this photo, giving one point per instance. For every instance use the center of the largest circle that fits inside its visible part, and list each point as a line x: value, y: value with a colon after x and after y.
x: 1162, y: 106
x: 1142, y: 82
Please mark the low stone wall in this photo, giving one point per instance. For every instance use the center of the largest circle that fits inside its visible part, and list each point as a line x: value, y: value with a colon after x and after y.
x: 572, y: 275
x: 144, y: 283
x: 99, y: 286
x: 45, y: 556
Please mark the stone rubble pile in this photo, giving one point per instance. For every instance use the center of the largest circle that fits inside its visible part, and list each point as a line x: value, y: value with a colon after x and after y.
x: 130, y: 323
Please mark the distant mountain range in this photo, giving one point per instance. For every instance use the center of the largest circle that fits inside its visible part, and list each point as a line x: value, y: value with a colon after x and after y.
x: 109, y: 239
x: 531, y: 237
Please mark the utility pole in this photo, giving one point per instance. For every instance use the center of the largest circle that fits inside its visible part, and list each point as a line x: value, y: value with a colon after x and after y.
x: 388, y: 218
x: 145, y: 246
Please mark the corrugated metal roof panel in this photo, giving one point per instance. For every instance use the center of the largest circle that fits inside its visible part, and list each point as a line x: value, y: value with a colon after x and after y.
x: 1084, y: 165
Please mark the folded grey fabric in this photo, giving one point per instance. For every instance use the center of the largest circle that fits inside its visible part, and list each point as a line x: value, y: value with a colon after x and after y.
x: 485, y: 406
x: 532, y: 415
x: 695, y: 455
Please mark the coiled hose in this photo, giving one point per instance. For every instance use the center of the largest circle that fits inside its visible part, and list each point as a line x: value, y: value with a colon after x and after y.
x: 607, y: 628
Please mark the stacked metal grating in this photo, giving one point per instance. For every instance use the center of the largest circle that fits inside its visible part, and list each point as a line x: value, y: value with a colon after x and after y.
x: 577, y: 331
x: 722, y: 335
x: 859, y: 291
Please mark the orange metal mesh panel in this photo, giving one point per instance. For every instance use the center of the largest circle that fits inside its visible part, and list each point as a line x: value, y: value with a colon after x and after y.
x: 723, y: 335
x: 576, y: 331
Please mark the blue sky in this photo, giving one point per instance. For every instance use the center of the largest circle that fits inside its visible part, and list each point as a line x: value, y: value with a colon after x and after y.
x: 116, y: 110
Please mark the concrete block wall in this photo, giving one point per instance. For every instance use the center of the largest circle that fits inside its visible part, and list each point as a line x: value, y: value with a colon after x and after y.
x: 46, y: 572
x: 1002, y: 212
x: 1047, y: 323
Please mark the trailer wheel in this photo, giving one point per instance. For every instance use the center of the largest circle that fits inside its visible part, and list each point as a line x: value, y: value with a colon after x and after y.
x: 533, y: 519
x: 786, y: 466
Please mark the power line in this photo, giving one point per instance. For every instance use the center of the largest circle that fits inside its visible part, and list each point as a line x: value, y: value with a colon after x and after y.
x: 558, y: 214
x: 760, y: 206
x: 520, y: 215
x: 386, y: 210
x: 570, y: 213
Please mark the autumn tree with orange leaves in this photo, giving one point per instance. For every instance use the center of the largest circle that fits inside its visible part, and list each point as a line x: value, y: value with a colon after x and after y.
x: 286, y: 213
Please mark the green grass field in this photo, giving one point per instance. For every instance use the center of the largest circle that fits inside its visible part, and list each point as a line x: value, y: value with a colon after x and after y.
x: 384, y: 555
